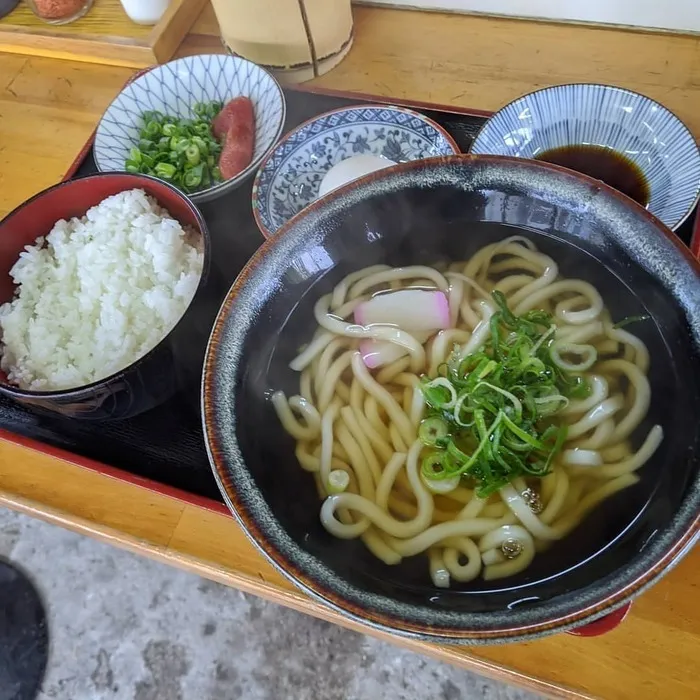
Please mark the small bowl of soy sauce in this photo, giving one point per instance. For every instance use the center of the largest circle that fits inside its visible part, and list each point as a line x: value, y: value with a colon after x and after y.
x: 625, y: 139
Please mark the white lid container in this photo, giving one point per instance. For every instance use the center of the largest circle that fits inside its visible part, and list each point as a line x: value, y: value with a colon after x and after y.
x: 145, y: 11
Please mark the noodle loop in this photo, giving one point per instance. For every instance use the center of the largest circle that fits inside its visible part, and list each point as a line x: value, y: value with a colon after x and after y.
x: 402, y: 453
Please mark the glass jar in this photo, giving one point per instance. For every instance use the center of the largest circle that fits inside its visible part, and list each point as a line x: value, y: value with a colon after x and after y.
x: 60, y: 11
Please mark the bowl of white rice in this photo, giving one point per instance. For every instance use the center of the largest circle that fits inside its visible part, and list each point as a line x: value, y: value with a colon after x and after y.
x: 101, y: 280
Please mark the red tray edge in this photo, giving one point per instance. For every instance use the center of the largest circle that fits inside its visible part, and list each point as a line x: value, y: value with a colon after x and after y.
x: 695, y: 238
x: 113, y: 472
x: 601, y: 626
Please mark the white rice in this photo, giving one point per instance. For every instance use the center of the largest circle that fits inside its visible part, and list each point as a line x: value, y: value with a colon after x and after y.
x: 97, y: 294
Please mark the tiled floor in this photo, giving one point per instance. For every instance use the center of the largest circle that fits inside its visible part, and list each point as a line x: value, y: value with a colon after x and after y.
x: 126, y: 628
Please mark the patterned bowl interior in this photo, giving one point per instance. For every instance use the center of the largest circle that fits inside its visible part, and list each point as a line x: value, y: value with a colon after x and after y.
x: 643, y: 130
x: 173, y: 89
x: 289, y: 179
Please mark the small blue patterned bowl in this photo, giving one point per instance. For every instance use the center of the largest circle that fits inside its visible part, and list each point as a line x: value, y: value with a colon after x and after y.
x: 290, y: 176
x: 639, y: 128
x: 174, y: 88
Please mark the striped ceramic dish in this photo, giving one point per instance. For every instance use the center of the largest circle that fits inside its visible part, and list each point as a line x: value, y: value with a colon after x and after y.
x: 643, y: 130
x: 174, y: 88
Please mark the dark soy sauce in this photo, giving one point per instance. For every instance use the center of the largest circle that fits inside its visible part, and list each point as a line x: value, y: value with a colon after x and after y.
x: 604, y: 164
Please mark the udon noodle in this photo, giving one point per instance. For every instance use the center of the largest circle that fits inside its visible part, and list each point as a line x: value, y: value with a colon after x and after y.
x: 385, y: 430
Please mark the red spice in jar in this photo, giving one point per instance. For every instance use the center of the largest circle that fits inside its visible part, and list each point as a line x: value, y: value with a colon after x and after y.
x: 58, y: 9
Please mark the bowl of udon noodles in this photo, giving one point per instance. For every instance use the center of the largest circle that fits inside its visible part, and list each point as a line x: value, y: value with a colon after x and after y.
x: 458, y: 399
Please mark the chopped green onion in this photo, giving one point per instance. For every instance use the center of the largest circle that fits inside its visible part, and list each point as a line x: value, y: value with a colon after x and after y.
x: 193, y: 155
x: 489, y: 367
x: 151, y: 115
x: 201, y: 144
x: 165, y: 170
x: 432, y: 431
x: 440, y: 393
x: 558, y: 444
x: 338, y: 481
x: 177, y: 140
x: 460, y: 411
x: 153, y: 129
x: 200, y: 109
x: 174, y: 148
x: 551, y: 404
x: 193, y: 177
x: 433, y: 466
x: 202, y: 130
x: 545, y: 336
x: 441, y: 485
x: 511, y: 397
x: 631, y: 319
x: 506, y: 316
x: 488, y: 415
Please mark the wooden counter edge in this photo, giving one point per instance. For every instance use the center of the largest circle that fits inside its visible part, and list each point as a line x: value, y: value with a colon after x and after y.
x: 295, y: 599
x: 127, y: 55
x: 158, y: 46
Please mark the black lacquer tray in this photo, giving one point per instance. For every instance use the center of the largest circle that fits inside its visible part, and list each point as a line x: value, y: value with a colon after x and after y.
x: 165, y: 446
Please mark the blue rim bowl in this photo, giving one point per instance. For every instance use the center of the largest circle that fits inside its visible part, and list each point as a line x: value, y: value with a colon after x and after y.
x: 640, y: 128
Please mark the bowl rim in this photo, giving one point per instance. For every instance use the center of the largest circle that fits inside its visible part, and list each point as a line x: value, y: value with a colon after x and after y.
x: 602, y: 86
x: 78, y: 391
x: 221, y: 188
x: 255, y: 196
x: 597, y: 604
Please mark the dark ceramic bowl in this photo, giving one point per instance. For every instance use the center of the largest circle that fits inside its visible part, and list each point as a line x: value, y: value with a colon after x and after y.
x: 154, y: 377
x: 444, y: 209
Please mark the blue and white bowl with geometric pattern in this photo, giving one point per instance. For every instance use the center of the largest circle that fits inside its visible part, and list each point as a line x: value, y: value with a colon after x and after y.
x: 641, y: 129
x: 173, y: 89
x: 290, y: 176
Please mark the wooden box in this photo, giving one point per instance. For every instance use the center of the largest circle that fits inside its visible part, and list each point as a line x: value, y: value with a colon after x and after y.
x: 104, y: 35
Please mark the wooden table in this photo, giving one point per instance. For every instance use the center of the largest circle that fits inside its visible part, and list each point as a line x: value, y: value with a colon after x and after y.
x: 47, y: 111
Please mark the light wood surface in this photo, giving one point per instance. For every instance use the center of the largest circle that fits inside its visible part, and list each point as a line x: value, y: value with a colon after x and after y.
x: 48, y: 109
x: 485, y: 62
x: 104, y: 35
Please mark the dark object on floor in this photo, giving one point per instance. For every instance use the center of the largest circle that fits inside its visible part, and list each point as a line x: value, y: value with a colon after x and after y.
x: 6, y: 6
x: 24, y: 636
